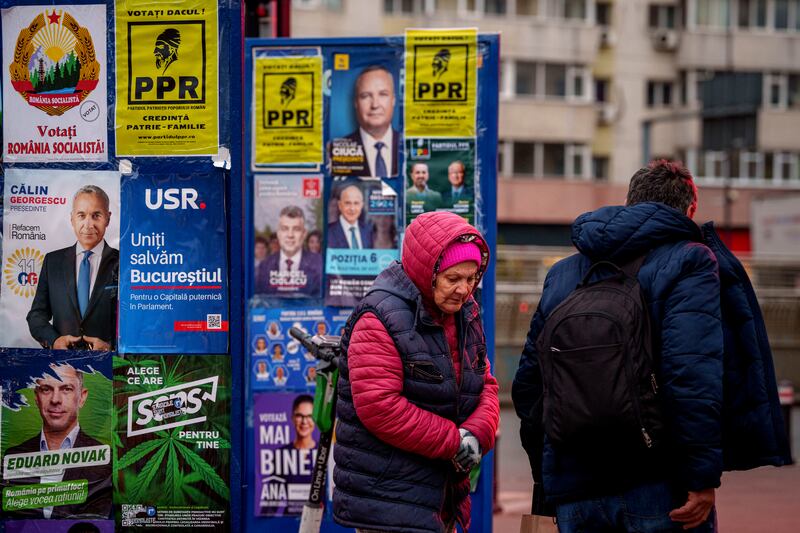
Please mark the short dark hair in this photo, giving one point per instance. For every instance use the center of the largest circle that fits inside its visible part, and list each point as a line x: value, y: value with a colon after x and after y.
x: 303, y: 398
x: 261, y: 240
x: 668, y: 182
x: 292, y: 211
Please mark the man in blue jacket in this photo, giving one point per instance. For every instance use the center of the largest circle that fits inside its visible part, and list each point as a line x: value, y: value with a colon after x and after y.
x: 672, y: 486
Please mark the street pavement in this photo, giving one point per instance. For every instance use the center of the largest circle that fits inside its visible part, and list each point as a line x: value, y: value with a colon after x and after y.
x: 764, y: 500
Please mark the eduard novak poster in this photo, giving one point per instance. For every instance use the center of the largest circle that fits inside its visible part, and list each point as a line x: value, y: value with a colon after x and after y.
x: 166, y: 78
x: 172, y: 445
x: 54, y: 83
x: 60, y: 259
x: 55, y: 436
x: 173, y: 275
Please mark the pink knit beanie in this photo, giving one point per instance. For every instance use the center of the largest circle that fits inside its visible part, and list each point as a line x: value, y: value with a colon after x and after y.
x: 459, y: 252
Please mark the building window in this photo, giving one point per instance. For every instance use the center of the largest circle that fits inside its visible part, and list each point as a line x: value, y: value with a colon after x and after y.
x: 712, y: 13
x: 602, y: 14
x: 794, y: 90
x: 661, y: 16
x: 529, y: 8
x: 752, y: 13
x: 554, y: 160
x: 601, y: 90
x: 782, y: 91
x: 526, y: 78
x: 408, y: 7
x: 787, y: 167
x: 659, y: 93
x: 715, y: 165
x: 751, y: 165
x: 524, y: 158
x: 495, y: 7
x: 567, y: 9
x: 555, y: 80
x: 600, y: 168
x: 781, y: 14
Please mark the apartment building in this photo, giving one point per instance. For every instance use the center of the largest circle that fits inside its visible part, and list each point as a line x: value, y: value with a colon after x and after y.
x: 592, y: 88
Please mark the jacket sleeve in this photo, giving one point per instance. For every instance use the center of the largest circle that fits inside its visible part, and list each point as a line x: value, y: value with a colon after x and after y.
x: 485, y: 418
x: 40, y: 313
x: 691, y: 368
x: 376, y: 381
x: 527, y: 391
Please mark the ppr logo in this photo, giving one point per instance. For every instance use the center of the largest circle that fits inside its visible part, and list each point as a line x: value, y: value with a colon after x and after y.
x: 441, y: 74
x: 172, y: 199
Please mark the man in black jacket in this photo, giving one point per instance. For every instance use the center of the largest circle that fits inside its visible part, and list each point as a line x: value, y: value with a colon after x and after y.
x: 75, y: 305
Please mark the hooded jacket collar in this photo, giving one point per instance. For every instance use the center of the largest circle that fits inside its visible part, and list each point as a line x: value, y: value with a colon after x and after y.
x: 623, y: 232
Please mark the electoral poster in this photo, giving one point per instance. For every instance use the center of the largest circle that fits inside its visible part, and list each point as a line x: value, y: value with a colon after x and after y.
x: 277, y: 360
x: 172, y: 445
x: 361, y: 237
x: 173, y: 276
x: 287, y: 217
x: 167, y: 84
x: 365, y: 122
x: 287, y: 118
x: 55, y: 436
x: 441, y: 83
x: 440, y: 176
x: 54, y: 83
x: 286, y: 449
x: 60, y: 259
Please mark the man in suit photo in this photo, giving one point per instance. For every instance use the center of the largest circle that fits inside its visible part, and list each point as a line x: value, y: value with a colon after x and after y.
x: 458, y: 191
x: 349, y: 231
x: 75, y: 306
x: 291, y: 271
x: 419, y: 196
x: 60, y: 394
x: 374, y: 101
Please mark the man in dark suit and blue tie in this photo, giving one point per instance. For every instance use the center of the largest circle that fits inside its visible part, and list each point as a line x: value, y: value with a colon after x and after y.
x: 458, y: 192
x: 349, y: 231
x: 292, y: 271
x: 75, y: 305
x: 374, y: 101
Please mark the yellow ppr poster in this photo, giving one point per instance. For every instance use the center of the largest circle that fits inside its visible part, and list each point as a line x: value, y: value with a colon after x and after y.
x: 288, y: 110
x: 441, y: 83
x: 167, y: 85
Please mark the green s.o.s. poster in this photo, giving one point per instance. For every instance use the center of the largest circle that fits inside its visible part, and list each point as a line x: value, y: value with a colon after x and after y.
x: 172, y: 442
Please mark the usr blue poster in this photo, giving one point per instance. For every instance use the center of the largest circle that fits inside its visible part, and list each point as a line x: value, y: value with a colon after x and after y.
x: 173, y: 271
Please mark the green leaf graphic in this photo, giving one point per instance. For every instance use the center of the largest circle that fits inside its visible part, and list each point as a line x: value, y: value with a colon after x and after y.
x: 147, y: 474
x: 210, y: 476
x: 137, y: 453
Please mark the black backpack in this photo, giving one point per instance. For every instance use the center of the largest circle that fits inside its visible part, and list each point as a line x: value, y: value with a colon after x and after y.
x: 596, y: 355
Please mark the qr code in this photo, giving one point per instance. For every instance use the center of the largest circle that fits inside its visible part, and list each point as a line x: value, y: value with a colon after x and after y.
x: 213, y: 321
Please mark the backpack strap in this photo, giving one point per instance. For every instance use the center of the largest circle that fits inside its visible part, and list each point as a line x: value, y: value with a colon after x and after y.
x: 632, y: 267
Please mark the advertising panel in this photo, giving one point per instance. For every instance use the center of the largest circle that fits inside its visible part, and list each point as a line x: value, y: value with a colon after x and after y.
x: 286, y: 441
x: 288, y: 109
x: 60, y: 259
x: 361, y: 237
x: 167, y: 87
x: 55, y: 436
x: 172, y: 446
x: 440, y: 176
x: 287, y: 215
x: 173, y: 284
x: 365, y: 112
x: 441, y: 83
x: 54, y: 83
x: 277, y: 360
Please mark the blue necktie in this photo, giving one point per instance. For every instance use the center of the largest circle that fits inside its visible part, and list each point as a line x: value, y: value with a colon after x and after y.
x: 380, y: 164
x: 353, y: 240
x: 84, y: 282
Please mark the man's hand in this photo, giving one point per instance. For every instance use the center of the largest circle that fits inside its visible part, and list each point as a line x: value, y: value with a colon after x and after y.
x: 695, y: 511
x: 469, y: 452
x: 97, y: 344
x: 64, y: 342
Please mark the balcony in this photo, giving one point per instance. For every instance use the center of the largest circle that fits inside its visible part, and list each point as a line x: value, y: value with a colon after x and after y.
x: 543, y: 120
x: 749, y: 50
x: 778, y: 129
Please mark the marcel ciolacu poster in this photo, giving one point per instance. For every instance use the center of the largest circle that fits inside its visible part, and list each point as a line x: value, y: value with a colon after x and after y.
x: 173, y: 278
x: 172, y: 442
x: 49, y: 217
x: 55, y: 436
x: 54, y: 83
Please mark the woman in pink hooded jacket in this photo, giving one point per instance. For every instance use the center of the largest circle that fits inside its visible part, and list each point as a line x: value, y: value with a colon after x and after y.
x: 417, y: 404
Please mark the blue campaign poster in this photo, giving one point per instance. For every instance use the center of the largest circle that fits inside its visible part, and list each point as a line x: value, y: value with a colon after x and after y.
x: 277, y: 360
x: 173, y: 270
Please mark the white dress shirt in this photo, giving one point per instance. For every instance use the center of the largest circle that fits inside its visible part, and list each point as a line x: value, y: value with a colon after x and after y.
x: 66, y: 444
x: 94, y: 262
x: 369, y: 146
x: 296, y: 258
x: 346, y: 227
